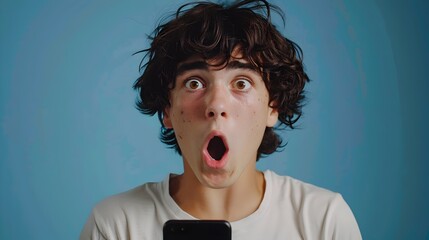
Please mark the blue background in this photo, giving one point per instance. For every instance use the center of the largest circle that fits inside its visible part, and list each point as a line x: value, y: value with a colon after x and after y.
x: 70, y: 135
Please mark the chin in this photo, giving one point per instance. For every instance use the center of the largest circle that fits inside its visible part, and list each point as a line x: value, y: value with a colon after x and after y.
x: 217, y: 180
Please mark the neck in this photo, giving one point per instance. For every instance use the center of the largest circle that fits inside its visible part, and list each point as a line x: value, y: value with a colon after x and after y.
x: 232, y: 203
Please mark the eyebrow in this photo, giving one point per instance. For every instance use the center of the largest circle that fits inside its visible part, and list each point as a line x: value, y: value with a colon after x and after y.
x: 202, y: 65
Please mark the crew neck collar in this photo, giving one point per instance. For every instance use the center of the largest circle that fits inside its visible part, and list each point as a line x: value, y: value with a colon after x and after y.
x: 239, y: 224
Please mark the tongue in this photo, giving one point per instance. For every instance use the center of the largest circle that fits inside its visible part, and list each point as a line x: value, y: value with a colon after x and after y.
x: 216, y: 148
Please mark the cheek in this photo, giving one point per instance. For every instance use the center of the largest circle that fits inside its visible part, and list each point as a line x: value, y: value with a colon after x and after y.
x: 184, y: 115
x: 179, y: 123
x: 254, y: 114
x: 180, y: 117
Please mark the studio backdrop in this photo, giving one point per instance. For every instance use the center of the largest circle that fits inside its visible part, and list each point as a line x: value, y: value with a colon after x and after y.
x: 70, y: 134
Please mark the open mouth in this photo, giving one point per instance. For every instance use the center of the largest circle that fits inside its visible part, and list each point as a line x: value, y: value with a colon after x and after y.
x: 216, y: 148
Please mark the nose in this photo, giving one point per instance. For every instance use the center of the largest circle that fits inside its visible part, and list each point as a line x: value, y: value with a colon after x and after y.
x: 216, y: 102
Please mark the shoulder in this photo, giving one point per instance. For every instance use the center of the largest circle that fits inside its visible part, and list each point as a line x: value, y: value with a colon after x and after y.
x: 318, y: 209
x: 143, y: 197
x: 123, y: 214
x: 298, y: 190
x: 303, y: 195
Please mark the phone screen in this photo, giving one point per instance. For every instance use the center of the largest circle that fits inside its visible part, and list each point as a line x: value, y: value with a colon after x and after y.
x: 197, y: 230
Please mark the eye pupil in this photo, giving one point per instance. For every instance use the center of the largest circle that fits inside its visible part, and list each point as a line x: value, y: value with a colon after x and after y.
x: 241, y: 84
x: 194, y: 84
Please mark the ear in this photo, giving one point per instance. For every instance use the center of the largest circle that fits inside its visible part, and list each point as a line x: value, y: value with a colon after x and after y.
x: 166, y: 120
x: 273, y: 115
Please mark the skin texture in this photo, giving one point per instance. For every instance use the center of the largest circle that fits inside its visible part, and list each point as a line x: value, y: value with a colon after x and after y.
x: 231, y: 102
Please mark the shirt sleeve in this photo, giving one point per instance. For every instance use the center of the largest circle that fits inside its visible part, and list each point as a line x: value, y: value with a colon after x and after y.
x: 340, y: 223
x: 91, y: 230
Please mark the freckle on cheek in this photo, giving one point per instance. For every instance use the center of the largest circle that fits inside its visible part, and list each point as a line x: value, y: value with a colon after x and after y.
x: 180, y: 136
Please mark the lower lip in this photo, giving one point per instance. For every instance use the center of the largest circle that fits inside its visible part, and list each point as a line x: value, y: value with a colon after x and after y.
x: 212, y: 163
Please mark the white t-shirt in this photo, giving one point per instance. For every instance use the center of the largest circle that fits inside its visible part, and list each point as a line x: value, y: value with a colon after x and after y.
x: 290, y: 209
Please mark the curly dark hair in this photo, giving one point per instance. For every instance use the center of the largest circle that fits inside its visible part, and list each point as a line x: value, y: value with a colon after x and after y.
x: 213, y: 31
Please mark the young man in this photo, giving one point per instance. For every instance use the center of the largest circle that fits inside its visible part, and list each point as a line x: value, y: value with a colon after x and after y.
x: 220, y: 78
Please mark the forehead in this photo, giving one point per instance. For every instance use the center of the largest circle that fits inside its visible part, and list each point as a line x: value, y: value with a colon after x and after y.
x: 199, y: 63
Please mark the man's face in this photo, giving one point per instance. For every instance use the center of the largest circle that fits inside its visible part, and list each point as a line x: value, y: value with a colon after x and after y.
x: 219, y: 115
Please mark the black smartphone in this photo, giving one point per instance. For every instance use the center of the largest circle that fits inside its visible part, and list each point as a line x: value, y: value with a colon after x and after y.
x: 197, y: 230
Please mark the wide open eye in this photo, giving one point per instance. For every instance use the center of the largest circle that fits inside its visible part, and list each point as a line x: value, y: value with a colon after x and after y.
x: 242, y: 84
x: 194, y: 84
